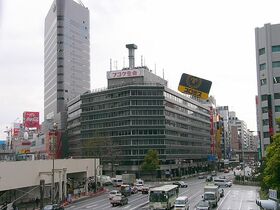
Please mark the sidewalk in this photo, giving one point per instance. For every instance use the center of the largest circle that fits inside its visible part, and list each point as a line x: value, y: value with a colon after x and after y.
x: 84, y: 196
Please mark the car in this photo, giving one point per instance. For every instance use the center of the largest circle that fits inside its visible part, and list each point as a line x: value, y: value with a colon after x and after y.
x: 53, y: 207
x: 203, y: 205
x: 113, y: 193
x: 223, y: 182
x: 214, y: 173
x: 221, y: 191
x: 201, y: 176
x: 182, y: 203
x: 209, y: 178
x: 145, y: 190
x: 139, y: 187
x: 119, y: 200
x: 134, y: 190
x: 226, y: 170
x: 180, y: 184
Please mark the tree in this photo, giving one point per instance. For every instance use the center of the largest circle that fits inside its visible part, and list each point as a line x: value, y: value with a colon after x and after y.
x: 272, y: 165
x: 151, y: 161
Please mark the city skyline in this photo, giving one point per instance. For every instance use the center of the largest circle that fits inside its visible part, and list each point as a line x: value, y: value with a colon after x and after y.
x: 177, y: 37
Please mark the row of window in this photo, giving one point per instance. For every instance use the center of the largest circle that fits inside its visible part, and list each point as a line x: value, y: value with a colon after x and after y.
x: 275, y: 64
x: 185, y: 102
x: 265, y: 109
x: 186, y: 119
x: 275, y: 48
x: 265, y: 97
x: 185, y: 126
x: 123, y: 133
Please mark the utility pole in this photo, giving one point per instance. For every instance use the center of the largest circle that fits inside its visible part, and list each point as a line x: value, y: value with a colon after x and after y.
x: 53, y: 151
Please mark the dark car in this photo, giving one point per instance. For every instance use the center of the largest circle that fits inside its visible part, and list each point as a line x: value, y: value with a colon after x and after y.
x: 181, y: 183
x: 53, y: 207
x: 209, y: 178
x: 203, y: 205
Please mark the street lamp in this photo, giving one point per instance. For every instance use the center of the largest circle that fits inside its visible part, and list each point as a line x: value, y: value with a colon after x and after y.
x: 53, y: 152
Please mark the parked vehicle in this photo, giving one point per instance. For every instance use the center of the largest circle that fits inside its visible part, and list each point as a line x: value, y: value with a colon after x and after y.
x: 223, y: 182
x: 211, y: 194
x: 226, y: 170
x: 181, y: 183
x: 182, y: 203
x: 203, y: 205
x: 113, y: 193
x: 119, y: 200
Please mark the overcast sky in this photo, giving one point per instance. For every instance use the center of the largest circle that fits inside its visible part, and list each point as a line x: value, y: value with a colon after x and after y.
x: 214, y: 40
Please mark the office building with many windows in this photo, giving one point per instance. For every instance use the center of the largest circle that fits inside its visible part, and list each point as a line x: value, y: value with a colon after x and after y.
x: 66, y: 57
x: 136, y: 113
x: 268, y: 80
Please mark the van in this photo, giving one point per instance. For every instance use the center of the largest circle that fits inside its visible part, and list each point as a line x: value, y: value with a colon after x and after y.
x: 222, y: 182
x: 182, y: 203
x: 117, y: 182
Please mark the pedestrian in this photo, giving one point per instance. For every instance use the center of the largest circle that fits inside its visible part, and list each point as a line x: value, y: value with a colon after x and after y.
x: 37, y: 201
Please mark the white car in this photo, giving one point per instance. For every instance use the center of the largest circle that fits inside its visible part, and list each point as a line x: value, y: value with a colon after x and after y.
x: 139, y: 187
x: 113, y: 193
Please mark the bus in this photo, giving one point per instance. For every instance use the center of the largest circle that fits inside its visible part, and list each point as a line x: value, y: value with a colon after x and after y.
x: 163, y: 197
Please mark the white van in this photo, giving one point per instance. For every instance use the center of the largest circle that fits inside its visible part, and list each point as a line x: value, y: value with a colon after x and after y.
x: 182, y: 203
x: 222, y: 182
x: 117, y: 182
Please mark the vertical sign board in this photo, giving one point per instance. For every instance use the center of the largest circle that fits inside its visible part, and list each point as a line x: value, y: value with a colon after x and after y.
x: 273, y: 194
x: 194, y: 86
x: 270, y: 118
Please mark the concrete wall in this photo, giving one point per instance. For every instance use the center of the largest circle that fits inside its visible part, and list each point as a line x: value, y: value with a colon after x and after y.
x: 18, y: 174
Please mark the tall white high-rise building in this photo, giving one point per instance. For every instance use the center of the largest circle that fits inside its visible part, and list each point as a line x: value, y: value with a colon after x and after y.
x: 67, y: 57
x: 268, y: 80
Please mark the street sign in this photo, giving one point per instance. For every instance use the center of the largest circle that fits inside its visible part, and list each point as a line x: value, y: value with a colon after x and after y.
x: 273, y: 194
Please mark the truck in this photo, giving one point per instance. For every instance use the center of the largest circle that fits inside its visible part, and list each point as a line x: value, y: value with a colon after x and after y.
x: 211, y: 194
x: 129, y: 178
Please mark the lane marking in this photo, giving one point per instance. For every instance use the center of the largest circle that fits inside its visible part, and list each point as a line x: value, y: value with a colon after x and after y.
x: 224, y: 199
x: 91, y: 206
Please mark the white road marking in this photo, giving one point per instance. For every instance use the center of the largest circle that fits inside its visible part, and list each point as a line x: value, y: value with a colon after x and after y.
x: 88, y: 207
x: 224, y: 199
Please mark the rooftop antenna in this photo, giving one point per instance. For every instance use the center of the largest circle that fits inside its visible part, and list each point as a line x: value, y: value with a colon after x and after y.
x: 110, y: 64
x: 116, y: 65
x: 163, y: 73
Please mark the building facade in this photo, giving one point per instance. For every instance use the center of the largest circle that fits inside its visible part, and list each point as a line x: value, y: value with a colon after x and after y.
x: 268, y: 79
x: 136, y: 113
x: 66, y: 57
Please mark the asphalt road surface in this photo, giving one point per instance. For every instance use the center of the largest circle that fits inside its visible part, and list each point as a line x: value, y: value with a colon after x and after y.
x: 237, y: 197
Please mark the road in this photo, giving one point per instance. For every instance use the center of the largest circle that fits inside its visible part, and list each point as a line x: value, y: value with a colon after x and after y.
x: 236, y: 197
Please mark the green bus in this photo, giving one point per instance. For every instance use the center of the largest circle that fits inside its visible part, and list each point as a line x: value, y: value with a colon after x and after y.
x: 163, y: 197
